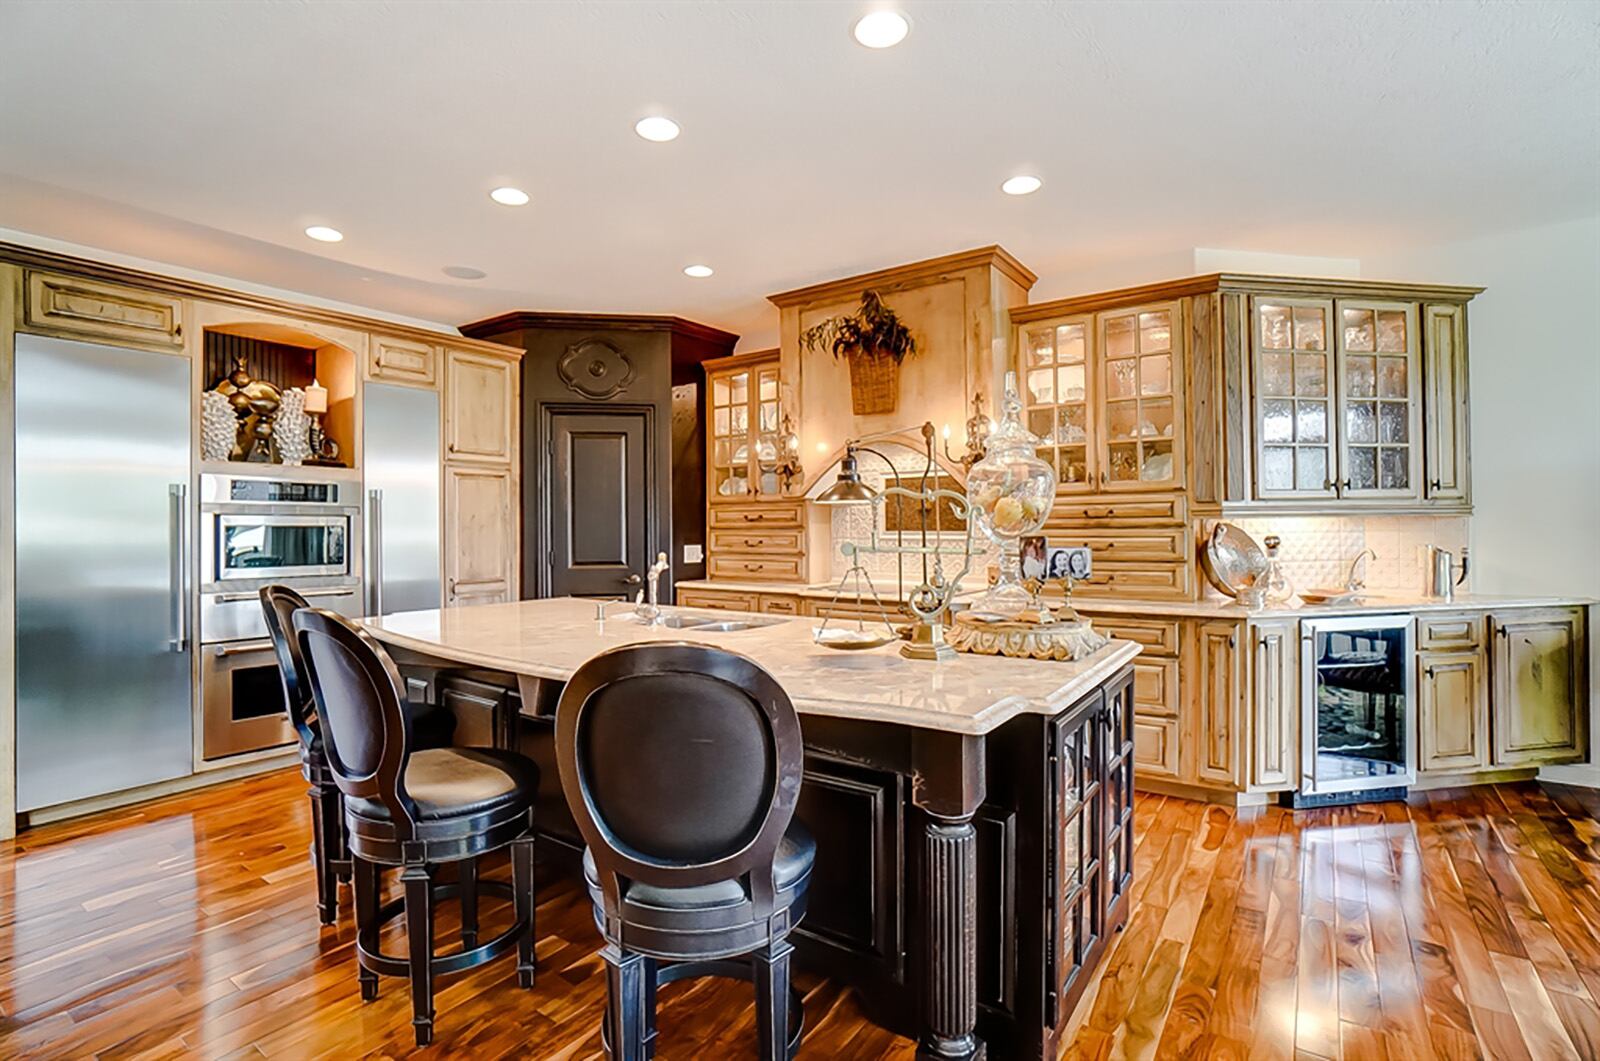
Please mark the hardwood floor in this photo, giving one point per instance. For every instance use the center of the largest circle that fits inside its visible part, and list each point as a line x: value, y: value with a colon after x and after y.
x: 1464, y: 925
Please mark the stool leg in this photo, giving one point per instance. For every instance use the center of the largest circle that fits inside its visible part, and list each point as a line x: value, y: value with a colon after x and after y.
x: 770, y: 966
x: 343, y: 833
x: 468, y: 871
x: 327, y: 888
x: 330, y: 845
x: 365, y: 875
x: 625, y: 991
x: 652, y: 976
x: 525, y: 901
x: 418, y: 881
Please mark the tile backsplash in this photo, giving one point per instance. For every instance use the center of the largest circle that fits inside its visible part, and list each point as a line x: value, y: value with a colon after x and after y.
x: 1317, y: 550
x: 854, y: 523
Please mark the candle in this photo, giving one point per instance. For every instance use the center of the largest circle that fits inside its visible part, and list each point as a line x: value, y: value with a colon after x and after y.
x: 316, y: 398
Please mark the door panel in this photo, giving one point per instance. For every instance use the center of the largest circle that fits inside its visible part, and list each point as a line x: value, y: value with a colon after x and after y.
x: 599, y: 503
x: 1538, y: 672
x: 104, y: 694
x: 1453, y: 712
x: 480, y: 545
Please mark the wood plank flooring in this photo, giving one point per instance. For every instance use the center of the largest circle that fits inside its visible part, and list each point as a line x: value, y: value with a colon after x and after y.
x: 1466, y: 924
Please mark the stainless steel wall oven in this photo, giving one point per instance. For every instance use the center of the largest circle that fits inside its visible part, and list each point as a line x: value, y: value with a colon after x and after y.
x: 258, y: 529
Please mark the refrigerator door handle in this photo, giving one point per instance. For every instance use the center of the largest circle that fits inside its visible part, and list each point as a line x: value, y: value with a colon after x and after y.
x: 375, y: 548
x: 178, y: 520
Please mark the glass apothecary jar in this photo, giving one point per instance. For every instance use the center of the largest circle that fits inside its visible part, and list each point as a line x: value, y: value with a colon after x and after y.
x: 1011, y: 491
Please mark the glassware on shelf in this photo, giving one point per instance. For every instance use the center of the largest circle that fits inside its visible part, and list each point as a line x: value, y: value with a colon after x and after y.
x: 1011, y: 491
x: 1277, y: 585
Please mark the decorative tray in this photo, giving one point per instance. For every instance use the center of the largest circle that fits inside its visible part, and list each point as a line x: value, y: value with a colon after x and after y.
x: 1071, y: 640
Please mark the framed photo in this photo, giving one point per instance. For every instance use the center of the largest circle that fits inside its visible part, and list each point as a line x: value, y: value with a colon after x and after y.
x: 1073, y: 560
x: 1033, y: 552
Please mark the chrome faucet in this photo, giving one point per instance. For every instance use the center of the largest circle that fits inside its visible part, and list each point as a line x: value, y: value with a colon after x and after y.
x: 1356, y: 583
x: 657, y: 569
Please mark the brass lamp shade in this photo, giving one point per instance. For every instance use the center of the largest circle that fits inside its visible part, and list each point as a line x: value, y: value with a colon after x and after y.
x: 848, y: 489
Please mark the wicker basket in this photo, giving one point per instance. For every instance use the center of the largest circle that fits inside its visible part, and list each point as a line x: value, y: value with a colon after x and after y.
x: 874, y: 382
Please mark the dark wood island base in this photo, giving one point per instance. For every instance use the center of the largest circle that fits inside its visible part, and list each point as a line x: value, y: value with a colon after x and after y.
x: 966, y: 885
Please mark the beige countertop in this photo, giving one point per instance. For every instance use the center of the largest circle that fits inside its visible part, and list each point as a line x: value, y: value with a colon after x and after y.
x: 1213, y: 607
x: 968, y: 694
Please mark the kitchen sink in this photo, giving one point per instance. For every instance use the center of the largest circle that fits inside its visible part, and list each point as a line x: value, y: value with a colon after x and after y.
x: 715, y: 624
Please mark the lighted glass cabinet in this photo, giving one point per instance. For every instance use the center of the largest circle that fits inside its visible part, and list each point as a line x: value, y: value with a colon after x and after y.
x: 744, y: 411
x: 1102, y: 393
x: 1337, y: 409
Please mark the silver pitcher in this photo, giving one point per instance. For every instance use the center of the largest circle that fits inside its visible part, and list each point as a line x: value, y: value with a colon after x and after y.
x: 1444, y: 577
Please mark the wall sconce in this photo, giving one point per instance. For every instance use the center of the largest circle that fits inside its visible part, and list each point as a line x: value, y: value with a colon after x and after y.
x: 978, y: 428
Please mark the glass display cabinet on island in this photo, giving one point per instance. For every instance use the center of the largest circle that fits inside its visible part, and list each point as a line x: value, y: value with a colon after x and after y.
x: 1101, y: 394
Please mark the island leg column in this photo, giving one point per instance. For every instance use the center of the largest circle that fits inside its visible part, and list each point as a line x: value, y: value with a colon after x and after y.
x: 948, y: 786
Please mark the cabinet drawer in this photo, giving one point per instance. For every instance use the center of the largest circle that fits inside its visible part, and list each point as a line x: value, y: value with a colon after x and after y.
x: 1155, y: 686
x: 402, y: 361
x: 1158, y: 636
x: 739, y: 517
x: 1450, y: 631
x: 1155, y: 746
x: 104, y: 311
x: 779, y: 604
x: 1122, y: 579
x: 757, y: 568
x: 758, y: 540
x: 699, y: 598
x: 1080, y: 511
x: 1159, y: 544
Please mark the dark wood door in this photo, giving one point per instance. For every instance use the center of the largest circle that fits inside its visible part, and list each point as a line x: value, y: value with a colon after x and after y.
x: 600, y: 501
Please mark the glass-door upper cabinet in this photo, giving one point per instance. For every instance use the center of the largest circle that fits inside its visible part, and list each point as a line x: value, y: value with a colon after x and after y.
x: 1380, y: 436
x: 745, y: 429
x: 1293, y: 385
x: 1139, y: 405
x: 730, y: 434
x: 1056, y: 372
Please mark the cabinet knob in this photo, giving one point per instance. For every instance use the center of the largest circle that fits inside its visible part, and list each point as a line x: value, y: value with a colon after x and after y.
x: 1434, y: 485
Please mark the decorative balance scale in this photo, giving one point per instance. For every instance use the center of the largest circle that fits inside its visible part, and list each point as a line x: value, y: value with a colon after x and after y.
x: 1009, y: 496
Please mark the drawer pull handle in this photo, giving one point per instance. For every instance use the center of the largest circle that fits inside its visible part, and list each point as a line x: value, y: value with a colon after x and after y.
x: 1103, y: 514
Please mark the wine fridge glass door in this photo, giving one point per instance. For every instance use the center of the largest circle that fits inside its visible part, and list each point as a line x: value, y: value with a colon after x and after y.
x: 1357, y: 697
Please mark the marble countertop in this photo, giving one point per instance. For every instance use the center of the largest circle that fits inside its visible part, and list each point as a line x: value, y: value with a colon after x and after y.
x: 1212, y: 607
x: 968, y: 694
x: 1368, y: 604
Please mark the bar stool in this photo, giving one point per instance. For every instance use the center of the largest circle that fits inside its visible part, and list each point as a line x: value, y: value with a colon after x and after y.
x: 681, y: 764
x: 416, y: 810
x: 431, y: 727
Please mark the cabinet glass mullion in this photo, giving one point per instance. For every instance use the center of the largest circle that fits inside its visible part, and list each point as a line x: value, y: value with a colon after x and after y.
x: 1056, y: 396
x: 1378, y: 386
x: 1292, y: 381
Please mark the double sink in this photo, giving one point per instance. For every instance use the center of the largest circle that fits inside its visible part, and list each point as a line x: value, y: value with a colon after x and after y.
x: 703, y: 623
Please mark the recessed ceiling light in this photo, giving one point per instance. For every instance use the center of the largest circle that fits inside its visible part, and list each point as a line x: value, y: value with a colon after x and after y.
x: 1024, y: 184
x: 463, y: 272
x: 509, y: 196
x: 698, y: 271
x: 657, y: 128
x: 881, y: 29
x: 325, y: 234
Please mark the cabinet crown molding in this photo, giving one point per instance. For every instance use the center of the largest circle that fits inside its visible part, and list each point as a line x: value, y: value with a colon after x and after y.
x: 33, y: 258
x: 680, y: 327
x: 993, y: 256
x: 1249, y: 283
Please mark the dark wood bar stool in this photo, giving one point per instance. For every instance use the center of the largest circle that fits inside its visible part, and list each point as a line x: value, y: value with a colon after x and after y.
x: 431, y: 727
x: 682, y: 764
x: 416, y: 810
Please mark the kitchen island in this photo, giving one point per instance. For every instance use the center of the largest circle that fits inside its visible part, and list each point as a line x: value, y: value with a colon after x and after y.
x: 973, y: 817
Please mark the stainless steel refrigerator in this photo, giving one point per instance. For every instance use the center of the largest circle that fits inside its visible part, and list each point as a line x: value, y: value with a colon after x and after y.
x: 104, y: 679
x: 400, y: 457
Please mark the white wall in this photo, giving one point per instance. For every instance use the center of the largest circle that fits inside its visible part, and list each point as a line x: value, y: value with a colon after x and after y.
x: 1535, y: 361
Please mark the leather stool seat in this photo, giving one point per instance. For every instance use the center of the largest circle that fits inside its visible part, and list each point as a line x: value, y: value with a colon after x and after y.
x: 720, y: 914
x: 459, y: 783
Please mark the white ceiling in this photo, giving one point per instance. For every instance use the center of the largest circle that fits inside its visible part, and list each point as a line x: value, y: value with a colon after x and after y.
x: 210, y: 135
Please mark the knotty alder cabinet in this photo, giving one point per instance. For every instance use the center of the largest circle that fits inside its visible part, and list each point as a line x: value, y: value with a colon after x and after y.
x: 1167, y: 406
x: 482, y: 547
